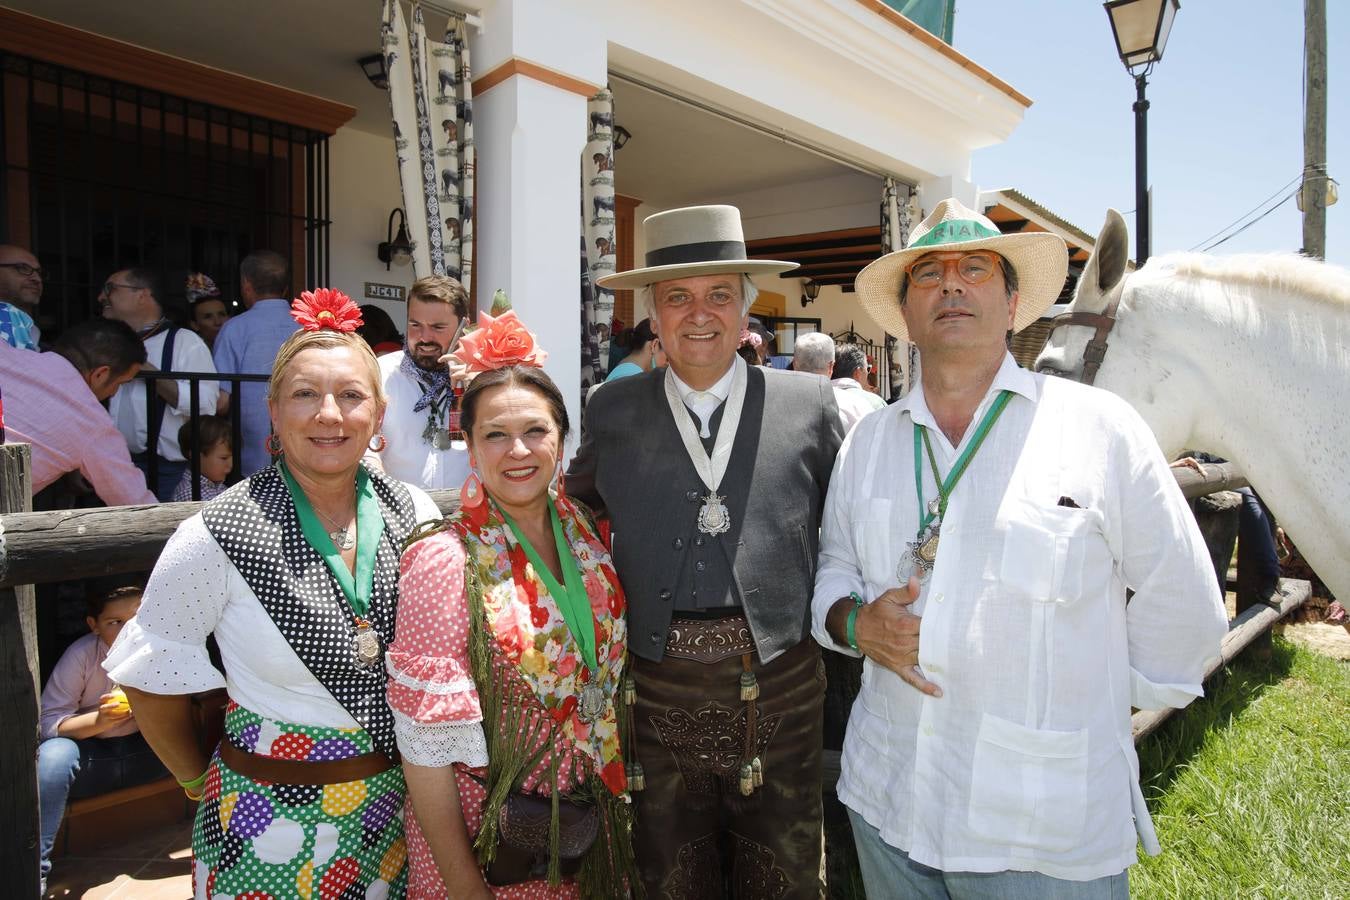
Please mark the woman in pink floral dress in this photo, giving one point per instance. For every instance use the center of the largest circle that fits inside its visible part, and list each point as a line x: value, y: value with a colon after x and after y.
x: 506, y: 670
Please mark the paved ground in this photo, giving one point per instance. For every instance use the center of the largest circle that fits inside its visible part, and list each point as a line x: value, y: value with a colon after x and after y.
x: 155, y: 865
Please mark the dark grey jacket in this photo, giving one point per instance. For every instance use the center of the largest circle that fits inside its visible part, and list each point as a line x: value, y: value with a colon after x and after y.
x: 633, y: 467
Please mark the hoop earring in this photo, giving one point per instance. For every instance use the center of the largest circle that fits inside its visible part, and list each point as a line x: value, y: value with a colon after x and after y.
x: 273, y: 444
x: 383, y: 443
x: 472, y: 494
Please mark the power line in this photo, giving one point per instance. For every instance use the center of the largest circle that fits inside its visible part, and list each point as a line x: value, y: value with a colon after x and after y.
x: 1238, y: 221
x: 1287, y: 198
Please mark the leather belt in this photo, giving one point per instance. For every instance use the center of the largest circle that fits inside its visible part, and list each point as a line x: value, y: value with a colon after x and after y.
x: 709, y: 640
x: 296, y: 771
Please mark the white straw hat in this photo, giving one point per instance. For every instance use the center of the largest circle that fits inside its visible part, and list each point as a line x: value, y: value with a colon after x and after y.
x: 1040, y: 259
x: 693, y: 240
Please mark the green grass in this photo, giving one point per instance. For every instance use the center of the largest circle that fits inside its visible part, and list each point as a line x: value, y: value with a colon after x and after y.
x: 1250, y: 786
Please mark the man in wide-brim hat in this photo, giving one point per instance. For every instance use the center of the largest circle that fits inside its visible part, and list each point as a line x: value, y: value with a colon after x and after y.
x: 993, y: 757
x: 713, y: 475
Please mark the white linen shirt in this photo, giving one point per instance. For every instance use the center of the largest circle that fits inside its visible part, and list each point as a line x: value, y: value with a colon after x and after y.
x: 195, y: 591
x: 1027, y: 761
x: 854, y: 402
x: 406, y: 456
x: 127, y: 406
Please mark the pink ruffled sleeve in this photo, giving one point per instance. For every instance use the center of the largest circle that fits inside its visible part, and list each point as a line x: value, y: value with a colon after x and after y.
x: 437, y: 716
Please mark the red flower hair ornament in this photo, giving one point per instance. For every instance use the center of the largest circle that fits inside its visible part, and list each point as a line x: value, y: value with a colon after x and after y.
x: 326, y: 308
x: 498, y: 342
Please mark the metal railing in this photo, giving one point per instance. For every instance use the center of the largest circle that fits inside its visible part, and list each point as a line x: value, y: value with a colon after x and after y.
x: 194, y: 379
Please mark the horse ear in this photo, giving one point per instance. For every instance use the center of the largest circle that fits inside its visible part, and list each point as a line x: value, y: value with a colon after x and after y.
x: 1107, y: 264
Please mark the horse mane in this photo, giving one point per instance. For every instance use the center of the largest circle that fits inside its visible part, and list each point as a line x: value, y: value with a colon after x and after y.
x: 1311, y: 278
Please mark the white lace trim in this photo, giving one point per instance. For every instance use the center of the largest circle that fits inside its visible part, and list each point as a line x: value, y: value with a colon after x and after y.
x: 457, y: 686
x: 440, y: 745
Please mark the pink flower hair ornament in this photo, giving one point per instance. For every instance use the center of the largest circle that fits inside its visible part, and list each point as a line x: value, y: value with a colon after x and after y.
x: 498, y: 342
x: 326, y: 308
x: 751, y: 338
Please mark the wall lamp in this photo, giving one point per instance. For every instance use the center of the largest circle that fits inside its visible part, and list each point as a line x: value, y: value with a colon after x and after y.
x: 812, y: 289
x: 621, y: 136
x: 396, y: 250
x: 376, y: 73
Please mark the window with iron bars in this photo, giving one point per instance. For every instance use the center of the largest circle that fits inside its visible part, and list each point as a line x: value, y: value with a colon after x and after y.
x: 98, y: 175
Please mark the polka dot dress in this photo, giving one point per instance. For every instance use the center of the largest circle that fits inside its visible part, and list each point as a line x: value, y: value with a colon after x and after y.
x: 316, y: 842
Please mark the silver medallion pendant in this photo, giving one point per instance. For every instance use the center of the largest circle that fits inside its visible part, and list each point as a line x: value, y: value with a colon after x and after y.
x: 366, y: 645
x: 713, y: 517
x: 341, y: 539
x: 921, y: 555
x: 591, y: 702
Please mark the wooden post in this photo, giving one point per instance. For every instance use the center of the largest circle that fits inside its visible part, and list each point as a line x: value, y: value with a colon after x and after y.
x: 19, y: 851
x: 1314, y: 187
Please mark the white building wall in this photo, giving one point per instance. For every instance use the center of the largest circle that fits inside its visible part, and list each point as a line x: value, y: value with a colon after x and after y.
x: 363, y: 189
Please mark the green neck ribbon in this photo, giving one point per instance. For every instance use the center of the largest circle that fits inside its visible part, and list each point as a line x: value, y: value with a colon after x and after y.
x: 946, y: 486
x: 369, y: 529
x: 572, y: 600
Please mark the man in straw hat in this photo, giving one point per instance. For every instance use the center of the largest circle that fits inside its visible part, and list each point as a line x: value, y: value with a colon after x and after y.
x: 993, y: 756
x: 713, y: 474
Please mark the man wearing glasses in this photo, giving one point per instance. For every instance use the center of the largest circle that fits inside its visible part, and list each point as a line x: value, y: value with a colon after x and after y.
x: 20, y: 291
x: 989, y: 752
x: 132, y: 296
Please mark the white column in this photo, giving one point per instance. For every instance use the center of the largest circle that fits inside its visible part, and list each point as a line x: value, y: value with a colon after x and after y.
x: 530, y: 133
x: 933, y: 191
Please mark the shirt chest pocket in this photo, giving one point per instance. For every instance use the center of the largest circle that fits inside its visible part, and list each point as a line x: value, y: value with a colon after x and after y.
x: 873, y: 540
x: 1054, y: 554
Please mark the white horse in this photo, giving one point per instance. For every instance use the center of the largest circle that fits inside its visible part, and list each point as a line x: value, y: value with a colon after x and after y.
x: 1247, y: 357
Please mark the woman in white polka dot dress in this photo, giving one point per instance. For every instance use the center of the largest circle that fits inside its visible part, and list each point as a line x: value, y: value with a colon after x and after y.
x: 508, y: 661
x: 294, y: 571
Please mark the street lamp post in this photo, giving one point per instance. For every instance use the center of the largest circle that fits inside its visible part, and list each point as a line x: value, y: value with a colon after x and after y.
x: 1141, y: 28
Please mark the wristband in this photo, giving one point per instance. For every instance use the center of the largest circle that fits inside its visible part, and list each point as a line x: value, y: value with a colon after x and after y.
x: 851, y: 623
x: 193, y: 788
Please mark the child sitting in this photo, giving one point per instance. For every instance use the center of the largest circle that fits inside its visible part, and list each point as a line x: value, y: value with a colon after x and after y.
x: 90, y: 741
x: 214, y: 453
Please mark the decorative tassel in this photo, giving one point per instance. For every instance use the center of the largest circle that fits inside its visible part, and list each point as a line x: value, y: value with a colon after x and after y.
x: 629, y: 690
x: 637, y: 781
x: 758, y: 769
x: 749, y: 686
x: 747, y: 779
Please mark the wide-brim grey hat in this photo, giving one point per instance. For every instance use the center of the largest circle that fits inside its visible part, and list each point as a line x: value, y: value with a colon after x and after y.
x: 1040, y: 259
x: 693, y: 240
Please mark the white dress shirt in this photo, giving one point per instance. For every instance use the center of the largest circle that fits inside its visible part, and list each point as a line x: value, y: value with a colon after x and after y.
x: 1026, y: 762
x: 127, y: 406
x: 854, y: 402
x: 704, y: 403
x: 407, y: 456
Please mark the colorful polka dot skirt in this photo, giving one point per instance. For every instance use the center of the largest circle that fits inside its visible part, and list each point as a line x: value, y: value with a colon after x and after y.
x: 263, y: 841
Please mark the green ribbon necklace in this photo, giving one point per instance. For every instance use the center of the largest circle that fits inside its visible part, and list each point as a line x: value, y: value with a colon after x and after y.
x: 369, y: 528
x: 923, y: 550
x: 570, y: 596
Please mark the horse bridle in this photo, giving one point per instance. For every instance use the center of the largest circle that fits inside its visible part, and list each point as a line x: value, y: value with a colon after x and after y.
x: 1095, y: 351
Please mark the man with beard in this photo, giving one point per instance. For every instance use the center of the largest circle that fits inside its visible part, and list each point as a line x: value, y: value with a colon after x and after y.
x: 20, y: 290
x: 417, y: 445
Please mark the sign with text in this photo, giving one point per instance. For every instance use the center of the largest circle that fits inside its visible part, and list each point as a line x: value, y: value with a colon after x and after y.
x: 377, y: 291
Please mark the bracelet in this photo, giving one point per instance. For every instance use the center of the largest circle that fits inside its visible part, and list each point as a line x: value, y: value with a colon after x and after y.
x: 851, y: 624
x: 193, y: 788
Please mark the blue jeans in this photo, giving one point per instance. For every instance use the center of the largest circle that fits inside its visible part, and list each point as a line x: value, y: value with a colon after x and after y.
x: 1255, y: 533
x: 167, y: 475
x: 70, y: 769
x: 889, y: 873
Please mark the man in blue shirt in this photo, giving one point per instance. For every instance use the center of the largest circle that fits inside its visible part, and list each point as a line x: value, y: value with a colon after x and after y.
x: 248, y: 343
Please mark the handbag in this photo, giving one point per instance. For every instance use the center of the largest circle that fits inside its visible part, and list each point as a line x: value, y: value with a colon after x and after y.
x: 523, y: 836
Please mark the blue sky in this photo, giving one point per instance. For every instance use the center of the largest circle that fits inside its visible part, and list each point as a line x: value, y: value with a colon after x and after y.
x: 1225, y: 121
